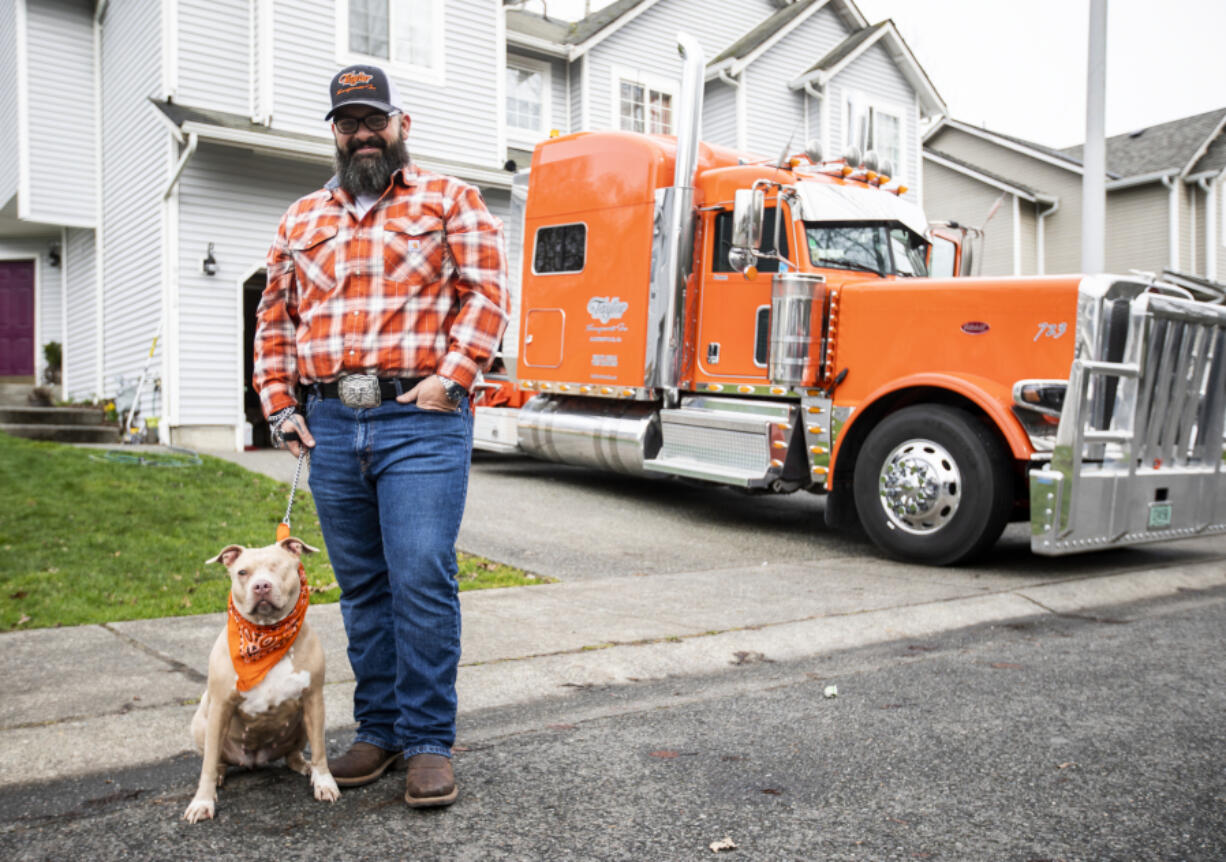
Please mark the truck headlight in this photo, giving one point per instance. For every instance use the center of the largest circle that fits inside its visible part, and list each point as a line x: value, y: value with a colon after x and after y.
x: 1037, y: 405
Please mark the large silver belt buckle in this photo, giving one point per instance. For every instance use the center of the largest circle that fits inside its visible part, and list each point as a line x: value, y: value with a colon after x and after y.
x: 359, y: 391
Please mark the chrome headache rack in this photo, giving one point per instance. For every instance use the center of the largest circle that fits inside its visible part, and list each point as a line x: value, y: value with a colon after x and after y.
x: 1138, y: 452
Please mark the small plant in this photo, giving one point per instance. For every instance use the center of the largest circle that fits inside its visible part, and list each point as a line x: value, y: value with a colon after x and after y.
x: 53, y: 353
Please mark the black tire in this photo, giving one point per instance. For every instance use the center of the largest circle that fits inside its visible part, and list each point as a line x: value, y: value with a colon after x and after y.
x: 933, y: 485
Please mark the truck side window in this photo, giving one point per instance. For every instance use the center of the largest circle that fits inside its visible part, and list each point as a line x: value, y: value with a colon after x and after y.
x: 943, y: 256
x: 560, y: 248
x: 723, y: 242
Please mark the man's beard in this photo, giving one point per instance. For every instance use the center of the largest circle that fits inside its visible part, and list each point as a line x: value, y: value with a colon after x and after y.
x: 370, y: 175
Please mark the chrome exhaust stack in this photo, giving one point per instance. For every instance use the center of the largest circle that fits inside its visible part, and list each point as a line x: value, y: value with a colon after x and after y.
x: 673, y: 242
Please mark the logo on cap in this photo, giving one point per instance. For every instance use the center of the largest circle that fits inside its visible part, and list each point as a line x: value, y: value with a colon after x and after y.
x: 353, y: 79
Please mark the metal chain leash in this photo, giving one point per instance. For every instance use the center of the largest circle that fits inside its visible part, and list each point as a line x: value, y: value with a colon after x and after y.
x: 303, y: 454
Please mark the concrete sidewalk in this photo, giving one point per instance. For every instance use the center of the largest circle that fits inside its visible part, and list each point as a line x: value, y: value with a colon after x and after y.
x: 90, y: 698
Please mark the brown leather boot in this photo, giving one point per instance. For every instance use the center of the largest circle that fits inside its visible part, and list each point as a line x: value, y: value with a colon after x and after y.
x: 430, y: 781
x: 362, y: 764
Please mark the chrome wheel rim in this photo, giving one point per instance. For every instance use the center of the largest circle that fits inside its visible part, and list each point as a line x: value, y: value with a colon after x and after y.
x: 920, y: 487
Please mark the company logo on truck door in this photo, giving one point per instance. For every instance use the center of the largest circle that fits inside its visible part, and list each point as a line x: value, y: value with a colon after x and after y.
x: 606, y: 308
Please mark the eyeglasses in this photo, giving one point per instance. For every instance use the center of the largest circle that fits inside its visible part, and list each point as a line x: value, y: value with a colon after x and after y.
x: 374, y: 122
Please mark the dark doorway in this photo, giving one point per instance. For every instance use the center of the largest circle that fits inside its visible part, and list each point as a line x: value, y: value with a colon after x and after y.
x: 17, y: 318
x: 253, y: 288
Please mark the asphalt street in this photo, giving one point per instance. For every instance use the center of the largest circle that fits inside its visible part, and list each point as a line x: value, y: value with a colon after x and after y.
x: 1094, y: 736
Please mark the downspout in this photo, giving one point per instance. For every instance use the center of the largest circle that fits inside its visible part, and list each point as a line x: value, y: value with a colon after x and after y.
x: 740, y: 111
x: 99, y: 229
x: 1210, y: 190
x: 1017, y: 236
x: 820, y: 98
x: 1171, y: 181
x: 1041, y: 240
x: 673, y: 247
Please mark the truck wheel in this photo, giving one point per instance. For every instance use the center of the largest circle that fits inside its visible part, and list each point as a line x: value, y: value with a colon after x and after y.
x: 933, y: 485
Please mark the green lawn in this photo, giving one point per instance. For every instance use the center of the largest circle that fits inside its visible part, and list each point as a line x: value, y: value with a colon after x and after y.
x: 84, y: 539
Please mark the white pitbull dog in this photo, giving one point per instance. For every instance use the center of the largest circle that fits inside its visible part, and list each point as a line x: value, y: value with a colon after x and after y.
x: 264, y: 699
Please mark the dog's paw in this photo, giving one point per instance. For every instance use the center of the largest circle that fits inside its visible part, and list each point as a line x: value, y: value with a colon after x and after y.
x: 200, y: 809
x: 324, y: 785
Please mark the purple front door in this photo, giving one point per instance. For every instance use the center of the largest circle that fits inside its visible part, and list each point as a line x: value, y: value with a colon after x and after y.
x: 16, y: 318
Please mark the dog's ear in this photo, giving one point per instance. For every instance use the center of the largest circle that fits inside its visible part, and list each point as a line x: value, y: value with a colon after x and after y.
x: 227, y: 556
x: 296, y: 546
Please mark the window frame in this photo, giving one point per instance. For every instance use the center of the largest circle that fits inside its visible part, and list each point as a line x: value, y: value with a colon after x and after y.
x: 431, y: 74
x: 519, y: 135
x: 536, y: 239
x: 650, y: 82
x: 852, y: 100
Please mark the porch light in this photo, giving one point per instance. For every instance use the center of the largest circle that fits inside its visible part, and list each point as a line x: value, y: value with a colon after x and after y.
x: 209, y: 264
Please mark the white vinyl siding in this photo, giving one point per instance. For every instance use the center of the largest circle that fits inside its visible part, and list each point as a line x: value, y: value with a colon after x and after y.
x: 214, y: 55
x: 8, y: 100
x: 60, y: 77
x: 1136, y: 229
x: 132, y: 185
x: 81, y: 316
x: 235, y: 200
x: 719, y: 114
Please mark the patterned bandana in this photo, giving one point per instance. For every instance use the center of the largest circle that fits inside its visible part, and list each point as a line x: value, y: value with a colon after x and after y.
x: 255, y: 649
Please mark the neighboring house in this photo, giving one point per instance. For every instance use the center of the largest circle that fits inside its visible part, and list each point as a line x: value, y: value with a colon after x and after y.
x: 151, y: 146
x: 1166, y: 205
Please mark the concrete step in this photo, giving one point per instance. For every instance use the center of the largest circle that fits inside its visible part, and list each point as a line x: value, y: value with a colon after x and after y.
x: 64, y: 433
x: 15, y: 393
x: 50, y: 415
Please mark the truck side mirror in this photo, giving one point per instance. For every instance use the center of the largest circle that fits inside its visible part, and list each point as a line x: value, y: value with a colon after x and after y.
x: 747, y: 214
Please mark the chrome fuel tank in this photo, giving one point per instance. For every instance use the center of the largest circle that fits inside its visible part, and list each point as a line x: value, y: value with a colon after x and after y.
x: 588, y: 432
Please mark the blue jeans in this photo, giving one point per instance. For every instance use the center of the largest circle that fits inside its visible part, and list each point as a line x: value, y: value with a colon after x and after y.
x: 389, y: 485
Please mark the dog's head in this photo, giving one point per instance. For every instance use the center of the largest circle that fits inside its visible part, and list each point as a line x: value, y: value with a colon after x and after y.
x: 264, y: 581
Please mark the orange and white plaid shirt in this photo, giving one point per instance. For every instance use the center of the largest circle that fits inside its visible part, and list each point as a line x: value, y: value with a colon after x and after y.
x: 415, y: 287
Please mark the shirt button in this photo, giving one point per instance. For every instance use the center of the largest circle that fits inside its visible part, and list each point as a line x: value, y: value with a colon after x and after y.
x: 351, y: 352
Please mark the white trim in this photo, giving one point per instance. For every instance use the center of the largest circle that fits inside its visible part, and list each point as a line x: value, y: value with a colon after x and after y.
x: 240, y: 407
x: 434, y: 74
x: 1017, y: 235
x: 1204, y: 147
x: 649, y: 81
x: 63, y: 314
x: 570, y: 120
x: 585, y: 95
x: 1211, y: 230
x: 253, y: 79
x: 22, y: 84
x: 514, y: 135
x: 99, y: 257
x: 169, y: 311
x: 739, y: 65
x: 1007, y: 144
x: 170, y: 49
x: 500, y: 85
x: 978, y: 177
x: 266, y: 50
x: 742, y: 111
x: 1172, y: 220
x: 539, y: 45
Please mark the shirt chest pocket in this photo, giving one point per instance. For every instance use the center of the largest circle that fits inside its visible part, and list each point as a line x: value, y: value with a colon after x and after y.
x: 315, y: 258
x: 414, y: 250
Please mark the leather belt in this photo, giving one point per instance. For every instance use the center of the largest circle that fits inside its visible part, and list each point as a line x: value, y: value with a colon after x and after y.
x: 345, y: 389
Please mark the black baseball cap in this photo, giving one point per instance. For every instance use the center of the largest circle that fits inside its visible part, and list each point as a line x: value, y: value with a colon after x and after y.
x: 363, y: 85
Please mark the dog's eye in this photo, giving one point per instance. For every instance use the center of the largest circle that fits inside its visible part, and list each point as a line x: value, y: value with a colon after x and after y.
x: 242, y: 573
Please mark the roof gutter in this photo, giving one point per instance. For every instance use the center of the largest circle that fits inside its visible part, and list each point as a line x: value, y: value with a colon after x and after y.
x: 1041, y: 238
x: 1143, y: 179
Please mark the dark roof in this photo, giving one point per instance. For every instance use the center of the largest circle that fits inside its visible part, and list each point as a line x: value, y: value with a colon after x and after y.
x: 1166, y: 146
x: 180, y: 114
x: 1033, y: 192
x: 568, y: 32
x: 770, y: 25
x: 844, y: 48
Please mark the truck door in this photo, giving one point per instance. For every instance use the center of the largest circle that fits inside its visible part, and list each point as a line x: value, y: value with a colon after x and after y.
x: 734, y: 311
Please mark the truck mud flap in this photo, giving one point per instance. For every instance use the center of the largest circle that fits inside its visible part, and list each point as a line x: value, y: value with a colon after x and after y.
x: 1139, y: 449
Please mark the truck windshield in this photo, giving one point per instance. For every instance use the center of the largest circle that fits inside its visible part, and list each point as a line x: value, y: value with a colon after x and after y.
x: 886, y: 249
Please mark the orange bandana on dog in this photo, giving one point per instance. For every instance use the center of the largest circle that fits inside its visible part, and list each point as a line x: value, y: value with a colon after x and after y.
x: 254, y: 649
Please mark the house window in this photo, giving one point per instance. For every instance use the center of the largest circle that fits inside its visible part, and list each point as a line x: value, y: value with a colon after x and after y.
x: 872, y: 127
x: 642, y: 102
x: 527, y: 100
x: 402, y: 35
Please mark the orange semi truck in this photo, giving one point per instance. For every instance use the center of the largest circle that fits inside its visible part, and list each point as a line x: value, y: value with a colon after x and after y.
x: 685, y: 310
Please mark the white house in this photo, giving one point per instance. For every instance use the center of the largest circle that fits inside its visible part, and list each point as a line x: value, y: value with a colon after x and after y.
x: 152, y: 145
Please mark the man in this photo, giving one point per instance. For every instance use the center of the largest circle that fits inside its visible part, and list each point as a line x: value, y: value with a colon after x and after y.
x: 385, y: 299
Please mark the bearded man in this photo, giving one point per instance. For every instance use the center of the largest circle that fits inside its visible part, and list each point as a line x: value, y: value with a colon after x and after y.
x: 385, y: 299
